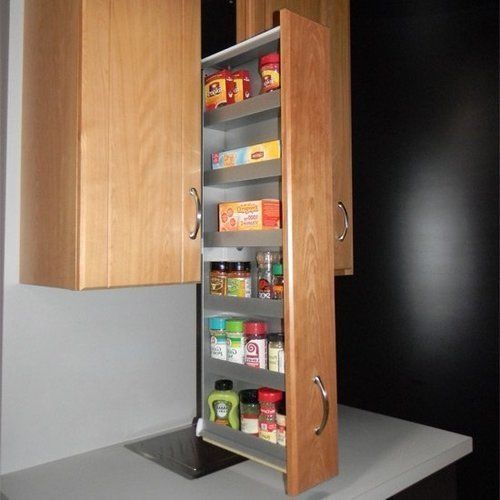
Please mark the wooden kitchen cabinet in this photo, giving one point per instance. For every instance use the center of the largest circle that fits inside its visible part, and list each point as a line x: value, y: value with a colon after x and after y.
x: 255, y: 16
x: 302, y: 179
x: 111, y: 143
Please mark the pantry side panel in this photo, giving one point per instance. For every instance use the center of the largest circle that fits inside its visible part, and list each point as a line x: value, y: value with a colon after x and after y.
x: 308, y: 252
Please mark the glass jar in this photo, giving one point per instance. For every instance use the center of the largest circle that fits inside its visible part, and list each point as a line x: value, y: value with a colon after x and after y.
x: 239, y: 280
x: 264, y: 273
x: 249, y: 411
x: 218, y: 278
x: 255, y: 344
x: 235, y: 341
x: 275, y: 347
x: 268, y: 399
x: 218, y: 344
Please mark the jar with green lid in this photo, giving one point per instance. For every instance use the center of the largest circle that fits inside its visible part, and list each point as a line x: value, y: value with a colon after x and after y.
x: 235, y: 341
x: 278, y: 282
x: 218, y: 341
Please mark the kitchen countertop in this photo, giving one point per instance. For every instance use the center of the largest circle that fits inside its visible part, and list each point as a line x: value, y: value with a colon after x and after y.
x: 379, y: 456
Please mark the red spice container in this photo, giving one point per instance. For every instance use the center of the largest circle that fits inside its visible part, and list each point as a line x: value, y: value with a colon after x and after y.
x: 255, y: 343
x: 269, y: 69
x: 219, y: 89
x: 268, y: 399
x: 241, y: 80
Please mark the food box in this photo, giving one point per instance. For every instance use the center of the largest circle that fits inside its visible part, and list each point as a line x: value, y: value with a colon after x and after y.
x: 250, y: 154
x: 249, y: 215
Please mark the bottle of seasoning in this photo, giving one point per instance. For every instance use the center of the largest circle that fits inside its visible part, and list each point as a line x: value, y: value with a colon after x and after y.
x: 269, y: 69
x: 235, y: 341
x: 275, y: 347
x: 264, y: 274
x: 218, y: 344
x: 223, y: 404
x: 255, y: 344
x: 278, y: 283
x: 239, y: 280
x: 268, y: 398
x: 249, y: 411
x: 218, y: 278
x: 281, y: 423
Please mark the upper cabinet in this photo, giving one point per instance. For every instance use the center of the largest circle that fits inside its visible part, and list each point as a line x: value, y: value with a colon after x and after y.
x: 256, y: 16
x: 111, y: 143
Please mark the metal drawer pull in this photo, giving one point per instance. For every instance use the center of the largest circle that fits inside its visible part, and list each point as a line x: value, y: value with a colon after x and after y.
x: 342, y: 208
x: 197, y: 204
x: 326, y: 405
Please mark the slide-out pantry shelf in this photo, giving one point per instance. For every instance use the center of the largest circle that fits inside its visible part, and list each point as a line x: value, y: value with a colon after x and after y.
x: 251, y: 173
x: 240, y: 239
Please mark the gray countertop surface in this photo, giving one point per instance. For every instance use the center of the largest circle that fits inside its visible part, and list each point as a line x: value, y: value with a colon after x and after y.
x: 379, y: 456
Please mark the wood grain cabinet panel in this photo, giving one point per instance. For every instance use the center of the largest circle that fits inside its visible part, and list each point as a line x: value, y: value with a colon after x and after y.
x: 255, y: 16
x: 111, y: 143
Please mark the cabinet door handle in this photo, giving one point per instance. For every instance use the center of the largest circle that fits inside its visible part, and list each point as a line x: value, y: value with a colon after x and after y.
x: 197, y: 204
x: 326, y: 405
x: 343, y: 210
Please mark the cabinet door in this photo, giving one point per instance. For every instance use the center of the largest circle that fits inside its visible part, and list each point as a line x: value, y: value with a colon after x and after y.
x: 308, y: 252
x: 154, y: 144
x: 254, y: 16
x: 111, y: 143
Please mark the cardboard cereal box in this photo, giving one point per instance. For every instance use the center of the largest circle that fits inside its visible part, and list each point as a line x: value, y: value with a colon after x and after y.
x: 250, y: 154
x: 249, y: 215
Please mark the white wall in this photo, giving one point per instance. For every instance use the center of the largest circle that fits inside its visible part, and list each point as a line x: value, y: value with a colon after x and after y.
x: 82, y: 370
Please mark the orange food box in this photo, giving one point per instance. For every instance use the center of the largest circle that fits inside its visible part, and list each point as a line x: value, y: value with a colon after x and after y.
x: 249, y: 215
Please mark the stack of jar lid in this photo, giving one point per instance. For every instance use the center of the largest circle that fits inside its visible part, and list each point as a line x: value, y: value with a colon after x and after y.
x: 247, y: 342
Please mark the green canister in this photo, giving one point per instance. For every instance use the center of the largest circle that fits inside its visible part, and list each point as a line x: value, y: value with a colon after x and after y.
x: 235, y: 341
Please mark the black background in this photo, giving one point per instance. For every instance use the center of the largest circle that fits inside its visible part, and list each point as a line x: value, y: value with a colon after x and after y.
x: 417, y: 324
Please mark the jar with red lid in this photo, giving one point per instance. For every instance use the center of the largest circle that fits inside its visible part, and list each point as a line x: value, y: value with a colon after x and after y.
x: 268, y: 400
x: 269, y: 69
x: 255, y: 343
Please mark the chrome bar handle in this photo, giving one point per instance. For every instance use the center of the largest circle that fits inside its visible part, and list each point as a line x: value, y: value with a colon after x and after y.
x: 197, y: 204
x: 342, y: 208
x: 326, y: 405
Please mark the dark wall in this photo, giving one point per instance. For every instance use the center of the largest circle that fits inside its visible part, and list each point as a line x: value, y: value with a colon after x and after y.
x: 417, y: 325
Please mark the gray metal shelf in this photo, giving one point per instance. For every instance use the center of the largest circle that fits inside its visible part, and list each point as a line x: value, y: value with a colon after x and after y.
x: 250, y: 173
x: 260, y: 107
x: 247, y: 50
x: 258, y: 377
x: 247, y: 445
x: 237, y: 239
x: 246, y: 307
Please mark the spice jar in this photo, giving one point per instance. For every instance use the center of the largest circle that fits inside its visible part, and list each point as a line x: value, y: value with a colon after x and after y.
x: 218, y: 278
x: 218, y: 344
x: 268, y: 398
x: 255, y: 343
x: 278, y: 283
x: 275, y: 348
x: 235, y: 341
x: 264, y: 273
x: 239, y: 280
x: 249, y: 411
x: 281, y: 423
x: 269, y: 69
